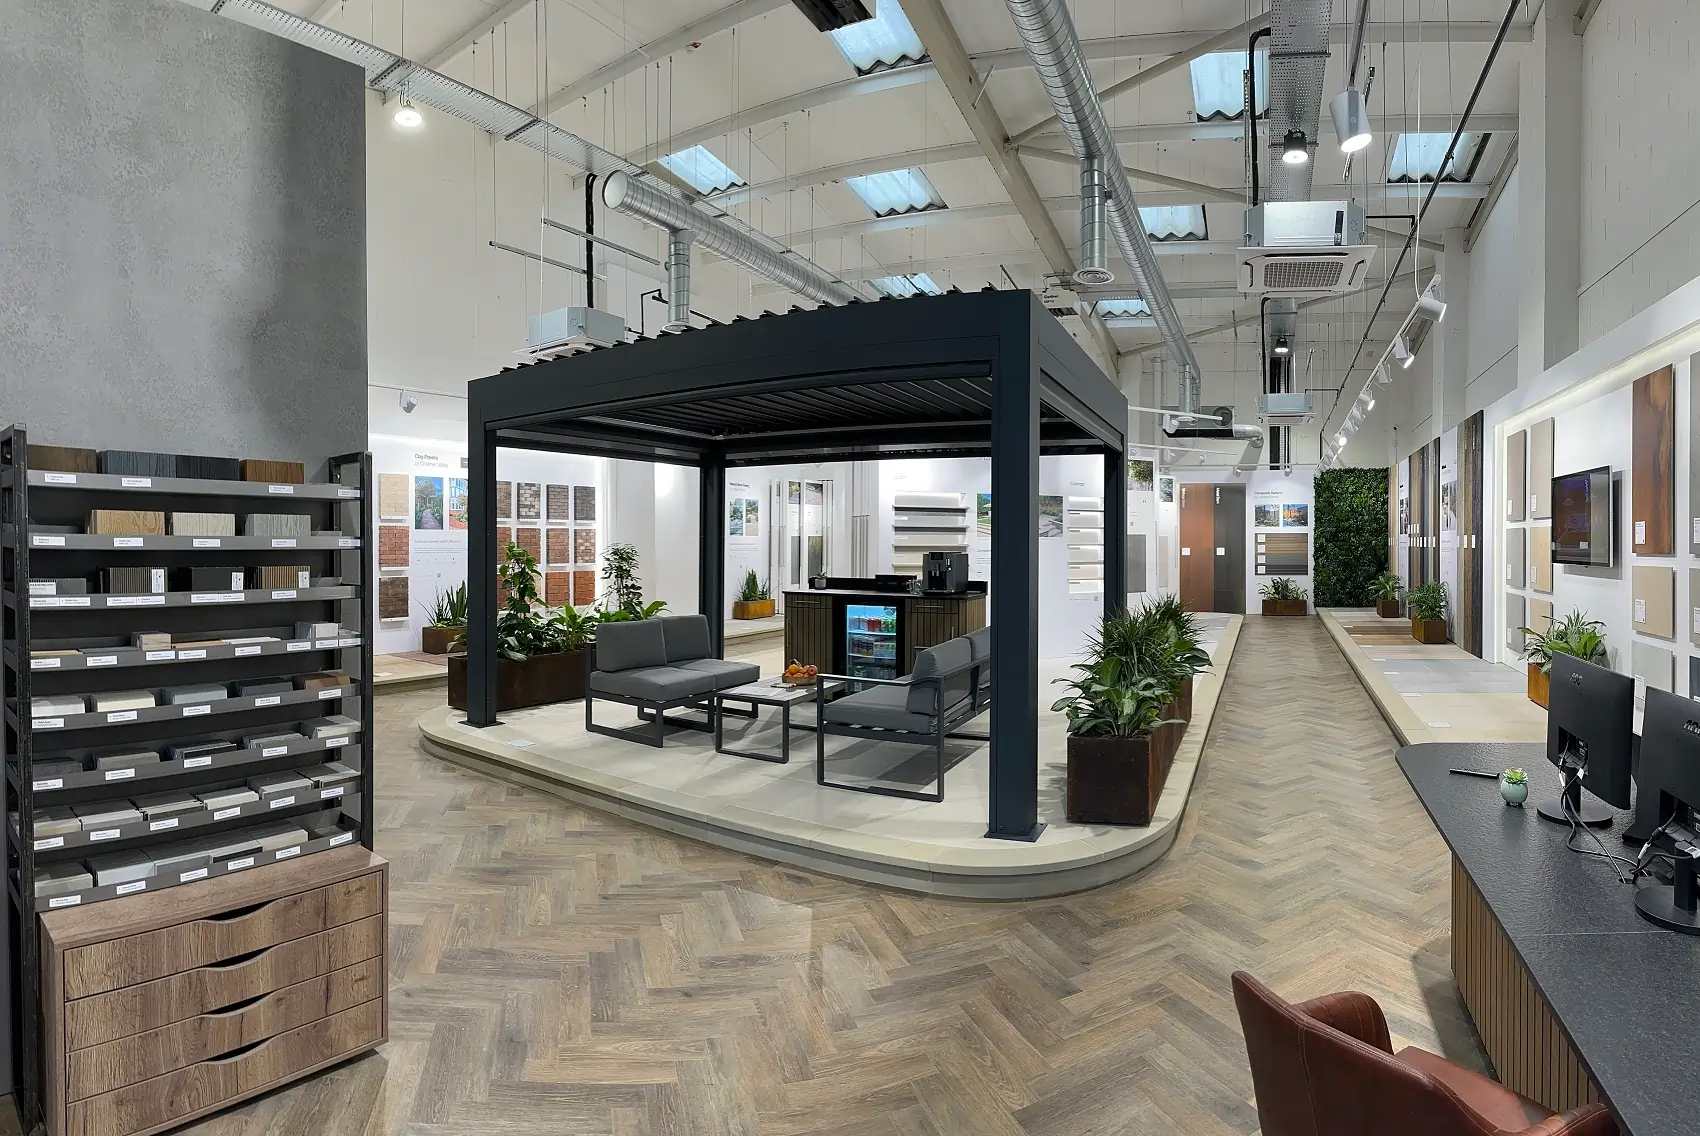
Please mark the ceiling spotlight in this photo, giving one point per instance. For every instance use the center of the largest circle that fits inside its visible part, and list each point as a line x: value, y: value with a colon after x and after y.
x: 1351, y: 121
x: 1402, y: 352
x: 1383, y: 375
x: 1429, y: 305
x: 1339, y: 442
x: 407, y: 116
x: 1370, y: 405
x: 1283, y: 346
x: 1295, y: 148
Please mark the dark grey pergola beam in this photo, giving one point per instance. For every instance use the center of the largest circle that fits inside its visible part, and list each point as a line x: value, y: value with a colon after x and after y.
x: 961, y: 374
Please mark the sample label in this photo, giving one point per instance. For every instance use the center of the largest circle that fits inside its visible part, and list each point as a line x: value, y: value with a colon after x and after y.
x: 194, y: 711
x: 333, y: 791
x: 1640, y: 532
x: 105, y: 834
x: 160, y: 656
x: 286, y: 853
x: 280, y: 802
x: 47, y: 723
x: 280, y: 489
x: 197, y: 653
x: 121, y: 716
x: 238, y: 865
x: 348, y: 542
x: 197, y: 762
x: 136, y: 482
x: 345, y: 494
x: 48, y: 783
x: 133, y: 885
x: 324, y: 644
x: 274, y: 751
x: 283, y: 542
x: 332, y: 743
x: 59, y: 601
x: 101, y: 661
x: 284, y: 594
x: 197, y: 874
x: 1532, y: 504
x: 300, y: 645
x: 241, y: 651
x: 121, y: 774
x: 1697, y: 621
x: 226, y: 814
x: 522, y: 743
x: 215, y: 597
x: 1186, y: 551
x: 1696, y: 537
x: 355, y: 642
x: 333, y: 692
x: 42, y: 541
x: 43, y: 588
x: 65, y: 901
x: 341, y: 838
x: 61, y: 479
x: 268, y: 700
x: 49, y: 842
x: 162, y: 825
x: 128, y: 542
x: 1640, y: 611
x: 44, y: 664
x: 205, y: 542
x: 135, y: 601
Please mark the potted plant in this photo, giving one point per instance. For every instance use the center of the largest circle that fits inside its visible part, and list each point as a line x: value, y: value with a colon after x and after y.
x: 1428, y: 605
x: 1514, y: 787
x: 754, y: 600
x: 1388, y: 590
x: 1575, y: 634
x: 541, y: 655
x: 1160, y: 641
x: 1283, y: 597
x: 447, y: 615
x: 1119, y: 753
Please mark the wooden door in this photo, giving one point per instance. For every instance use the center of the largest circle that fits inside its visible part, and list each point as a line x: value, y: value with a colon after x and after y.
x: 1198, y: 549
x: 1228, y: 554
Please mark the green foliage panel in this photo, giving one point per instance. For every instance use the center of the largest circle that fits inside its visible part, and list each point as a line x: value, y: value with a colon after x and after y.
x: 1351, y: 535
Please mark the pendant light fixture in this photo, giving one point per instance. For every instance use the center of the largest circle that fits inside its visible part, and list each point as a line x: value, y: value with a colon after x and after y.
x: 1402, y: 352
x: 1295, y: 148
x: 1351, y: 120
x: 407, y: 116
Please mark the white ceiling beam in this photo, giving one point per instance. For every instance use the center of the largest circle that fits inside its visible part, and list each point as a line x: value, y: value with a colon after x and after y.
x: 485, y: 24
x: 876, y: 164
x: 696, y: 31
x: 1585, y: 15
x: 1485, y: 209
x: 967, y: 89
x: 1233, y: 130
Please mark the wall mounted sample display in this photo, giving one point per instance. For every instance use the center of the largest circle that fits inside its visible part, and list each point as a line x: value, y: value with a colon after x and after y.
x: 1197, y: 547
x: 584, y: 503
x: 1694, y: 607
x: 395, y: 496
x: 927, y: 522
x: 1084, y: 519
x: 531, y: 540
x: 1653, y: 591
x: 1517, y: 557
x: 1693, y: 466
x: 584, y: 588
x: 428, y: 506
x: 1540, y: 558
x: 1467, y: 601
x: 528, y: 496
x: 1540, y: 469
x: 584, y: 546
x: 1228, y: 552
x: 1516, y: 615
x: 560, y: 503
x: 394, y: 543
x: 1652, y: 469
x: 505, y: 499
x: 557, y: 589
x: 392, y: 597
x: 559, y: 545
x: 1352, y: 534
x: 1282, y: 554
x: 1540, y: 616
x: 1653, y: 667
x: 1516, y: 479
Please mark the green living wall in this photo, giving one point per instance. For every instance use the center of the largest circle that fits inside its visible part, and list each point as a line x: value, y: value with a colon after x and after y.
x: 1351, y: 535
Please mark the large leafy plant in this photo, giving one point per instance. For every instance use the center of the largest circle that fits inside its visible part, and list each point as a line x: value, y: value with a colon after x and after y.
x: 1107, y: 700
x: 1350, y: 535
x: 1133, y: 670
x: 1387, y: 586
x: 449, y: 608
x: 524, y: 625
x: 1282, y: 588
x: 1575, y: 634
x: 1428, y: 601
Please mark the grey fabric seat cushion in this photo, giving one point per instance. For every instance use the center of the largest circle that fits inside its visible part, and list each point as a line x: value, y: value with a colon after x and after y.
x: 657, y: 684
x: 924, y: 697
x: 725, y: 674
x: 686, y: 637
x: 980, y: 646
x: 884, y: 707
x: 629, y: 645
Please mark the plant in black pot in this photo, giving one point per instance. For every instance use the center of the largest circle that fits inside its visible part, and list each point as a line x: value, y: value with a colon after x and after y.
x: 1388, y: 590
x: 1576, y: 635
x: 1281, y: 596
x: 541, y: 653
x: 1428, y: 604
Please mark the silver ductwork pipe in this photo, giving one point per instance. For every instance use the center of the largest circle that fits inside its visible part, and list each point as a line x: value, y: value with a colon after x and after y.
x: 624, y: 193
x: 1048, y: 34
x: 678, y: 280
x: 1094, y: 232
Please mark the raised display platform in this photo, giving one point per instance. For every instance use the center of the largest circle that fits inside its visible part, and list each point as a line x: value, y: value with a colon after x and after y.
x: 778, y: 812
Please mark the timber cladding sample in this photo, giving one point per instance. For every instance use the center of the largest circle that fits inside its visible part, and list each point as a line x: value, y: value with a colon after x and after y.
x: 1653, y: 587
x: 1652, y: 470
x: 1693, y: 466
x: 1283, y: 554
x: 1540, y: 558
x: 1516, y: 482
x: 1467, y: 605
x: 1540, y: 470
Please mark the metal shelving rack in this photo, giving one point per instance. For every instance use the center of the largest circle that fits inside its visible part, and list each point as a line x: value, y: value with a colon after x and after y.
x: 101, y: 625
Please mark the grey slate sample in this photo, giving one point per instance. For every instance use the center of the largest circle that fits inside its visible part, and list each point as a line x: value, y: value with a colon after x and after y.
x: 61, y: 879
x: 119, y: 868
x: 56, y: 706
x: 60, y: 586
x: 278, y: 524
x: 193, y: 694
x: 125, y: 759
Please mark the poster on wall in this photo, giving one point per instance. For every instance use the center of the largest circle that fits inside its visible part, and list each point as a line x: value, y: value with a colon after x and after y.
x: 983, y: 514
x: 428, y: 503
x: 1142, y: 474
x: 1295, y: 516
x: 1166, y: 490
x: 1051, y: 516
x: 1266, y: 516
x: 735, y: 517
x: 455, y: 503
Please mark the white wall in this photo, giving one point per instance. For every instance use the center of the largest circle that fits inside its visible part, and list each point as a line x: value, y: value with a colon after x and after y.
x: 1491, y: 313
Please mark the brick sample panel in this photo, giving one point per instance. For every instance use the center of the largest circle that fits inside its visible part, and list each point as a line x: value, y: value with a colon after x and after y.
x: 394, y: 546
x: 529, y: 498
x: 531, y: 540
x: 584, y: 502
x: 504, y: 498
x: 392, y: 597
x: 560, y: 546
x: 557, y: 588
x: 584, y: 588
x: 395, y: 496
x: 560, y: 503
x: 584, y: 546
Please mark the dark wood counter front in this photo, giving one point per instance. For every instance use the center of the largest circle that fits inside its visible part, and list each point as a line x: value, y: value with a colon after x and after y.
x: 815, y: 632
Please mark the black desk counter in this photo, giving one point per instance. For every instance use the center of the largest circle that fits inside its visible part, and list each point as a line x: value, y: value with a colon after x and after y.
x: 1624, y: 993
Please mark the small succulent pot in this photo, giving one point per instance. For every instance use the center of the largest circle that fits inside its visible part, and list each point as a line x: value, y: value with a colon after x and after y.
x: 1514, y: 792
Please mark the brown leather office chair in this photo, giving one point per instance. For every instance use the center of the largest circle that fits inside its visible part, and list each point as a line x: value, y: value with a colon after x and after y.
x: 1327, y: 1068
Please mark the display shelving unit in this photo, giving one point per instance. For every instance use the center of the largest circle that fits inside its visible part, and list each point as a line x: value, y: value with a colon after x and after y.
x: 34, y: 503
x: 927, y: 522
x: 1085, y: 528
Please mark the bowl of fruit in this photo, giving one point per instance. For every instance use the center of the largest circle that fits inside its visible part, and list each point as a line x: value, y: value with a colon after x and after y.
x: 796, y: 674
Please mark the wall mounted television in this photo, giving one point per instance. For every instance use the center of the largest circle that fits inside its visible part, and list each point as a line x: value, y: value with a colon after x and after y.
x: 1584, y: 521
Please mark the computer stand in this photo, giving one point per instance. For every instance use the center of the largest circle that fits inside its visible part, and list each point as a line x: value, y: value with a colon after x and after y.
x: 1672, y: 905
x: 1569, y: 807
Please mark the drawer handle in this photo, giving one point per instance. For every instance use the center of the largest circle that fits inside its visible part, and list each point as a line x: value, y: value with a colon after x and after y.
x: 238, y: 960
x: 236, y: 1007
x: 237, y: 1053
x: 239, y: 913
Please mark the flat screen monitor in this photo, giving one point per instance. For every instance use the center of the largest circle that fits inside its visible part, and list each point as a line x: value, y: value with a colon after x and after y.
x: 1582, y: 521
x: 1670, y: 768
x: 1590, y: 731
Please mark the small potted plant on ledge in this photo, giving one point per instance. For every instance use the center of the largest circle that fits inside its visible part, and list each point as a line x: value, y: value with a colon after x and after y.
x: 1283, y: 597
x: 448, y: 621
x: 541, y: 654
x: 1575, y: 634
x: 1119, y: 752
x: 755, y: 600
x: 1388, y: 590
x: 1428, y: 605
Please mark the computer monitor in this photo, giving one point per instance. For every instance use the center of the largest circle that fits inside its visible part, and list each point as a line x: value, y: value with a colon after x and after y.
x: 1670, y: 768
x: 1590, y: 729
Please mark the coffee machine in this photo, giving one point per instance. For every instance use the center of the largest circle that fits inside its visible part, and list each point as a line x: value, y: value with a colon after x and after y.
x: 945, y: 572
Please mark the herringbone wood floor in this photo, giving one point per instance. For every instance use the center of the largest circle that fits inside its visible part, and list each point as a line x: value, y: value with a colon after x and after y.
x: 556, y: 971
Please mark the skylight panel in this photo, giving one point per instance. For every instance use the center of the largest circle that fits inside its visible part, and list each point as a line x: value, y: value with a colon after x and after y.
x: 885, y: 41
x: 896, y: 191
x: 897, y: 287
x: 1417, y: 157
x: 701, y: 170
x: 1218, y: 84
x: 1175, y: 222
x: 1123, y: 309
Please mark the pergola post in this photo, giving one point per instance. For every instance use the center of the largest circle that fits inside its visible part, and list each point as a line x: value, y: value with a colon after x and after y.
x: 481, y: 553
x: 1013, y: 805
x: 1115, y: 530
x: 711, y: 556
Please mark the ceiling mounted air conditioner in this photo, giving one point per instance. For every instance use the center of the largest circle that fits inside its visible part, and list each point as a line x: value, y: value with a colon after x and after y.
x: 1304, y: 248
x: 1285, y: 409
x: 567, y: 331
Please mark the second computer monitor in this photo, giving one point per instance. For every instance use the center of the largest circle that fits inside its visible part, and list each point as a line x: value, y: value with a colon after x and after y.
x: 1590, y: 726
x: 1670, y: 752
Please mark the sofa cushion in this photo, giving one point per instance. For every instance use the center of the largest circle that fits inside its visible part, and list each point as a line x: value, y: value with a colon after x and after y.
x: 629, y: 644
x: 980, y: 643
x: 930, y: 664
x: 686, y: 636
x: 656, y: 684
x: 884, y: 707
x: 726, y: 675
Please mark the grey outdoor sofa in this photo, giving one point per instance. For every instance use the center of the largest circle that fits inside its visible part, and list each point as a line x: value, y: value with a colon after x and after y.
x: 657, y: 665
x: 948, y: 686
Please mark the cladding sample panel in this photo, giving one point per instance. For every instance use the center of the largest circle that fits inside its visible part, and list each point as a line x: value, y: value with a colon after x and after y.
x: 531, y: 540
x: 1516, y: 557
x: 1694, y: 606
x: 529, y: 498
x: 1652, y: 667
x: 559, y: 543
x: 504, y: 537
x: 1516, y: 482
x: 1693, y: 466
x: 584, y: 503
x: 1540, y: 558
x: 560, y: 503
x: 584, y: 588
x: 1540, y: 616
x: 1652, y: 469
x: 557, y: 589
x: 1540, y: 470
x: 1516, y: 616
x: 395, y: 496
x: 504, y: 499
x: 1282, y: 554
x: 584, y: 546
x: 1198, y: 531
x: 1654, y: 589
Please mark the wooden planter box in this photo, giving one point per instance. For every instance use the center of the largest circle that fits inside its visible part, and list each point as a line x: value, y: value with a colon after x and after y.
x: 1428, y: 630
x: 1183, y: 701
x: 532, y: 682
x: 1387, y: 609
x: 1286, y: 607
x: 438, y: 640
x: 1119, y: 780
x: 752, y: 609
x: 1540, y: 683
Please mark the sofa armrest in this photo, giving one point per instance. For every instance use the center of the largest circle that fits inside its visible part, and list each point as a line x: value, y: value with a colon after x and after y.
x: 1353, y: 1014
x: 1589, y: 1120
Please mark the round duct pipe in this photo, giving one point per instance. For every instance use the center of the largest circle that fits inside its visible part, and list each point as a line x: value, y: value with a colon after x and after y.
x: 1094, y: 226
x: 678, y: 280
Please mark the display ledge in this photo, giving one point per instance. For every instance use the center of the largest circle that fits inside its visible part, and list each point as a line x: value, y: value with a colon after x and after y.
x: 186, y: 599
x: 207, y: 763
x: 188, y: 486
x: 108, y: 718
x: 223, y: 868
x: 119, y: 657
x: 101, y: 541
x: 171, y: 827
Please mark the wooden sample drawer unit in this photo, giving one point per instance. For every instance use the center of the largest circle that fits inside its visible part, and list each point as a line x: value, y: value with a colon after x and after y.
x: 173, y: 1004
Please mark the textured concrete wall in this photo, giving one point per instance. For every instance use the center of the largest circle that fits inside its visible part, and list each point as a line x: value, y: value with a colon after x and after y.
x: 182, y: 240
x: 182, y: 233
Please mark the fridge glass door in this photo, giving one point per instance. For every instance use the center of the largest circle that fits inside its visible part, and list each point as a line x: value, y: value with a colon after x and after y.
x: 870, y: 640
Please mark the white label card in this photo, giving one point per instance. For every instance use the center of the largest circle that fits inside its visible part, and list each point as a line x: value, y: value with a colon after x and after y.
x: 43, y: 588
x: 274, y: 751
x: 269, y: 700
x: 59, y: 782
x: 333, y: 692
x: 280, y: 802
x: 196, y: 874
x: 101, y: 661
x: 283, y: 542
x: 284, y: 594
x: 244, y: 651
x: 195, y: 711
x: 105, y: 834
x: 238, y: 865
x: 162, y: 825
x: 348, y: 542
x: 135, y: 601
x: 125, y: 774
x: 45, y: 664
x: 333, y: 791
x: 128, y: 542
x: 280, y: 489
x: 286, y: 853
x: 345, y: 494
x: 41, y: 541
x: 1640, y: 611
x: 197, y: 653
x: 1640, y: 532
x: 136, y: 482
x: 197, y: 762
x: 1696, y: 622
x: 1532, y: 505
x: 121, y: 716
x: 216, y: 597
x: 324, y: 644
x: 332, y: 743
x: 1186, y: 552
x: 65, y: 901
x: 47, y: 723
x: 341, y: 838
x: 61, y: 479
x: 226, y: 814
x: 1696, y: 537
x: 160, y: 656
x: 206, y: 542
x: 49, y: 842
x: 300, y: 645
x: 355, y: 642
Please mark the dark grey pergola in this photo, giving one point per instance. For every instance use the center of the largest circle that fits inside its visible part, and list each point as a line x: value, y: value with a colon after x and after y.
x: 963, y: 374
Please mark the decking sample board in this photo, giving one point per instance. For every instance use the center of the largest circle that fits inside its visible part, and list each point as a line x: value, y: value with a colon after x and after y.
x: 1652, y: 469
x: 1540, y: 616
x: 1516, y: 482
x: 1654, y: 589
x: 1516, y: 557
x: 1516, y: 615
x: 1540, y: 470
x: 1540, y: 558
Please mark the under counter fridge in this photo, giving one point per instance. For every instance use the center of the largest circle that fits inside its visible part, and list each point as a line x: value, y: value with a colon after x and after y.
x: 871, y: 640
